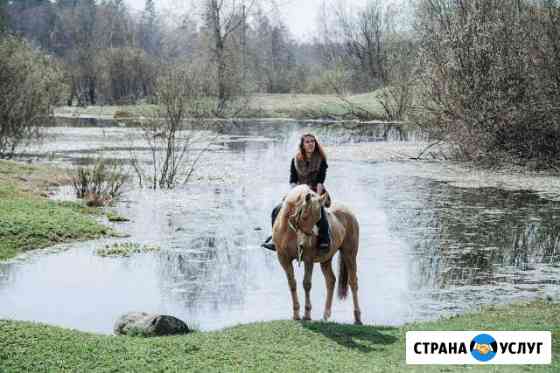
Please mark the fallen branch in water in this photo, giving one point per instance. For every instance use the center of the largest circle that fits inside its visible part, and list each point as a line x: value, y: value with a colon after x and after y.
x: 419, y: 157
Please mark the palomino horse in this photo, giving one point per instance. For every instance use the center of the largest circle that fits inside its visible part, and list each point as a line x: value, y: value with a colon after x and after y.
x: 295, y: 237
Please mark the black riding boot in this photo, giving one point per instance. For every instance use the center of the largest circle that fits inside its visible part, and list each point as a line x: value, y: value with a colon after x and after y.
x: 267, y: 244
x: 324, y: 233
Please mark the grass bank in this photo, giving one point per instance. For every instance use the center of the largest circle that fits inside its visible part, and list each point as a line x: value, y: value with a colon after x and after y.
x: 270, y: 346
x: 28, y: 220
x: 296, y: 106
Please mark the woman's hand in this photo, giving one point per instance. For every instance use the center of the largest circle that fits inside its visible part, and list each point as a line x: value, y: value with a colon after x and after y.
x: 320, y: 189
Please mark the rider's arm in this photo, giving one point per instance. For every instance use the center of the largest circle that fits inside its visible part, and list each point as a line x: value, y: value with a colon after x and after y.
x: 293, y: 174
x: 322, y: 172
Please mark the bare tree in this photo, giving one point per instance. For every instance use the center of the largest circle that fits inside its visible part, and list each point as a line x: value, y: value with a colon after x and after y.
x: 176, y: 133
x: 368, y: 50
x: 150, y: 33
x: 3, y: 16
x: 77, y: 35
x: 356, y: 38
x: 223, y: 18
x: 397, y: 96
x: 271, y: 54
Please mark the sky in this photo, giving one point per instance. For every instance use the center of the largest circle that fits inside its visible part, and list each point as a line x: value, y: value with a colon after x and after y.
x: 299, y: 15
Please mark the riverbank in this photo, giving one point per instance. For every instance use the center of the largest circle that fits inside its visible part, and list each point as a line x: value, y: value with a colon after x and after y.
x: 269, y: 346
x: 29, y: 220
x: 293, y: 106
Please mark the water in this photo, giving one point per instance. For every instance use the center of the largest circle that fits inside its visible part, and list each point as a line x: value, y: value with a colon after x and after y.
x: 428, y: 248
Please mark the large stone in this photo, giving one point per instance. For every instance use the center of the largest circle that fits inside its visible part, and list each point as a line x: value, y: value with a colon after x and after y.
x: 149, y: 325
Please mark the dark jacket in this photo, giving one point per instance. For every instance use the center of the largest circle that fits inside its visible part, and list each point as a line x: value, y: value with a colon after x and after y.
x: 319, y: 177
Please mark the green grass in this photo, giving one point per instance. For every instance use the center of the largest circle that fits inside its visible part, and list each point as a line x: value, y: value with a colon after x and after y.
x: 114, y: 217
x: 284, y: 346
x: 301, y: 106
x: 297, y: 106
x: 125, y: 249
x: 30, y: 221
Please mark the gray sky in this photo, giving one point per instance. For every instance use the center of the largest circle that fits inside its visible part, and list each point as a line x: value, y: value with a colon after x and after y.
x: 299, y: 15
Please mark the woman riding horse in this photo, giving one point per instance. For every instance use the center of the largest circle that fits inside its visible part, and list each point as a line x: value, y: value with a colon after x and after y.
x: 294, y: 236
x: 309, y: 167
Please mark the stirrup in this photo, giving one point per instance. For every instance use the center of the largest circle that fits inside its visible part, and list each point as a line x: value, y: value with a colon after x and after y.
x: 269, y: 246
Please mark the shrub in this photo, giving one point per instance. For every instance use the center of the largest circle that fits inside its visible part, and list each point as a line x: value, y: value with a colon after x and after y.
x: 492, y: 77
x: 99, y: 184
x: 30, y: 86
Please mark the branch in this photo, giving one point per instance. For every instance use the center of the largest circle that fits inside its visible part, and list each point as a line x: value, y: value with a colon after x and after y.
x: 426, y: 149
x: 204, y: 150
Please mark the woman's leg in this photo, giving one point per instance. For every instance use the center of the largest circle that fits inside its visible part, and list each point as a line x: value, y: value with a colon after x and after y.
x: 324, y: 232
x: 275, y: 212
x: 267, y: 244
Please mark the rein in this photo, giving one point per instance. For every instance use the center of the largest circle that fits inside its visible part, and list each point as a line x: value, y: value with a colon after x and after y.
x: 297, y: 217
x: 294, y: 226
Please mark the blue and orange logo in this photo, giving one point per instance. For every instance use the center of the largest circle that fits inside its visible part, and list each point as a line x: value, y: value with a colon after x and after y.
x: 484, y: 347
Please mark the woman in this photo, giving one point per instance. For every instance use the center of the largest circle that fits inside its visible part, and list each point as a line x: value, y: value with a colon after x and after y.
x: 309, y: 166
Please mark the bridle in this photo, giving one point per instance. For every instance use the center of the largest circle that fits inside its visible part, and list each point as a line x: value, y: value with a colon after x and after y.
x: 294, y: 220
x: 293, y: 223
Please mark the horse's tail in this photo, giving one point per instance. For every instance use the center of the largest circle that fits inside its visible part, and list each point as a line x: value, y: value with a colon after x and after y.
x: 342, y: 278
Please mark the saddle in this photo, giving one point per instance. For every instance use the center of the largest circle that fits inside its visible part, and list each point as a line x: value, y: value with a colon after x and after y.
x: 328, y: 199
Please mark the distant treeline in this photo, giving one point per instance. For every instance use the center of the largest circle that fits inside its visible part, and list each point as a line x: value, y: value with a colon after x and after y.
x: 112, y: 54
x: 481, y: 75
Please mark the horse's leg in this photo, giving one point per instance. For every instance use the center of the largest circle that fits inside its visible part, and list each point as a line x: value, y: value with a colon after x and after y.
x: 349, y: 257
x: 330, y: 280
x: 289, y: 269
x: 307, y: 287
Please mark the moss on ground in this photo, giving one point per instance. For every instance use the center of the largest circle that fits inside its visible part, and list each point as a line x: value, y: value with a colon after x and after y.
x: 285, y: 346
x: 29, y: 221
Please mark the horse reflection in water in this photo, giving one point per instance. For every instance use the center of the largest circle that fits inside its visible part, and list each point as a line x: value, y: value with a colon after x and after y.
x: 295, y: 237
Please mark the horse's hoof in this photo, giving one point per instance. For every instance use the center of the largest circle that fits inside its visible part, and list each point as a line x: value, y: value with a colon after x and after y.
x: 307, y: 318
x: 358, y: 322
x: 296, y: 318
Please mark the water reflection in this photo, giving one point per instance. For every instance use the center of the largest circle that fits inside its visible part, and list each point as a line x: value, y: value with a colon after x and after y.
x: 427, y: 248
x: 476, y: 246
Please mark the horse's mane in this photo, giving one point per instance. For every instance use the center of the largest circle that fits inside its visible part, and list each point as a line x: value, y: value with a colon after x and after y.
x: 294, y: 195
x: 293, y: 199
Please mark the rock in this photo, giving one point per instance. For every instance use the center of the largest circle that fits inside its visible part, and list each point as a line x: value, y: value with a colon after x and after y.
x: 116, y: 234
x: 149, y: 325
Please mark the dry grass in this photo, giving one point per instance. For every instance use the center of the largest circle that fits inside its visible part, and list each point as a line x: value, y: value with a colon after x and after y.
x: 297, y: 106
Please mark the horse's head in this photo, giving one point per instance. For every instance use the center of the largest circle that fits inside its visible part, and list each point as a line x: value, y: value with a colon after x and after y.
x: 307, y: 211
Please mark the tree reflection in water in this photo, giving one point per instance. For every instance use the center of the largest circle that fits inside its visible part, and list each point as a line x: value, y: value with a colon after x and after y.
x: 478, y: 237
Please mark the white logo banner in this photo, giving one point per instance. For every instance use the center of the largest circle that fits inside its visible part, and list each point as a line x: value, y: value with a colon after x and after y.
x: 473, y: 347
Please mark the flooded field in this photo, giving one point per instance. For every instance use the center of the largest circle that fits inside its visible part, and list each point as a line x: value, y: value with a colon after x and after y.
x: 430, y: 245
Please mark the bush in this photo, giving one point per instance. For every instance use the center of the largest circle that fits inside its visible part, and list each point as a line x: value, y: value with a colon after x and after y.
x: 99, y: 184
x: 492, y: 77
x: 30, y: 86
